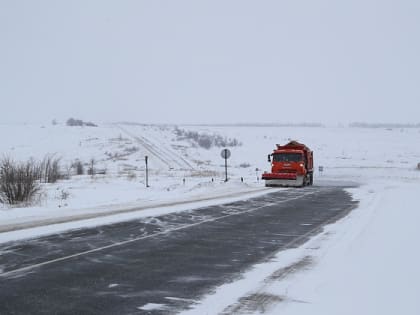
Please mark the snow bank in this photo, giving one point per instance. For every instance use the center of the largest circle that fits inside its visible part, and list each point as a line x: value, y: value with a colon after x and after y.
x: 368, y: 264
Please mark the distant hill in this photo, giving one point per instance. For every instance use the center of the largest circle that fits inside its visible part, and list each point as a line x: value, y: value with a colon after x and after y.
x: 383, y: 125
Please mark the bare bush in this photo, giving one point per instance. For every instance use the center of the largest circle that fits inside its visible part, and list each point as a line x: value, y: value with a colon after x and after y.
x: 78, y: 167
x: 204, y: 140
x: 127, y: 151
x: 18, y: 181
x: 74, y: 122
x: 49, y: 169
x: 77, y: 122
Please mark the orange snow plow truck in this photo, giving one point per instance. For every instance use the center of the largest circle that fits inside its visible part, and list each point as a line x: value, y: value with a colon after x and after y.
x: 292, y: 164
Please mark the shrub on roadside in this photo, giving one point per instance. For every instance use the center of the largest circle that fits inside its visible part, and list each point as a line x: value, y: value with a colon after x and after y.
x: 78, y: 167
x: 49, y: 169
x: 18, y: 181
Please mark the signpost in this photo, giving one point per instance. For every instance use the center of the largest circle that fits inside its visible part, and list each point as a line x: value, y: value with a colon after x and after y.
x: 146, y: 158
x: 225, y: 154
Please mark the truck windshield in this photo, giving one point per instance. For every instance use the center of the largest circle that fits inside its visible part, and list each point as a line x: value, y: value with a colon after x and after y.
x: 287, y: 157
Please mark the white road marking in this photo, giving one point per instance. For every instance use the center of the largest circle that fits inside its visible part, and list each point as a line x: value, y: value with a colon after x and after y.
x: 30, y: 267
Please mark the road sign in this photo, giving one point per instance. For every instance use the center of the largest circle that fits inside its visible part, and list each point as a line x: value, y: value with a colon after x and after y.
x: 225, y: 153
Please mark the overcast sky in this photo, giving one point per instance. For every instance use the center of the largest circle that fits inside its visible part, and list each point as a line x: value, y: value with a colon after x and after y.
x: 210, y: 61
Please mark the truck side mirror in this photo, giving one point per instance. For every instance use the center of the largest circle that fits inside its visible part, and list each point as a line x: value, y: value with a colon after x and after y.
x: 269, y: 158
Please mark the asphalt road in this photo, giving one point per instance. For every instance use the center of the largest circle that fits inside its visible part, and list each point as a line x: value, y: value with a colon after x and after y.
x: 172, y: 260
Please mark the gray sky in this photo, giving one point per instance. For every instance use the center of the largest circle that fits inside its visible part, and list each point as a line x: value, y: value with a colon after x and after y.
x: 210, y: 61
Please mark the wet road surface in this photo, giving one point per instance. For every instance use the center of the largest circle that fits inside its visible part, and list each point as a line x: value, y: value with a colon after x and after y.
x: 172, y: 260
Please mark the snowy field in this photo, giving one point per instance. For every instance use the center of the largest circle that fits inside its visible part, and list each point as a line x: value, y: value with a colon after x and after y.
x: 365, y: 264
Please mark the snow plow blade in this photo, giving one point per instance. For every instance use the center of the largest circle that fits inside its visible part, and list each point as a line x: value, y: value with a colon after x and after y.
x: 282, y: 180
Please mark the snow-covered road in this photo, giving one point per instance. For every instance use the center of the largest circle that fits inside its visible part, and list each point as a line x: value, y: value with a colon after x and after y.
x: 38, y: 222
x: 126, y: 267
